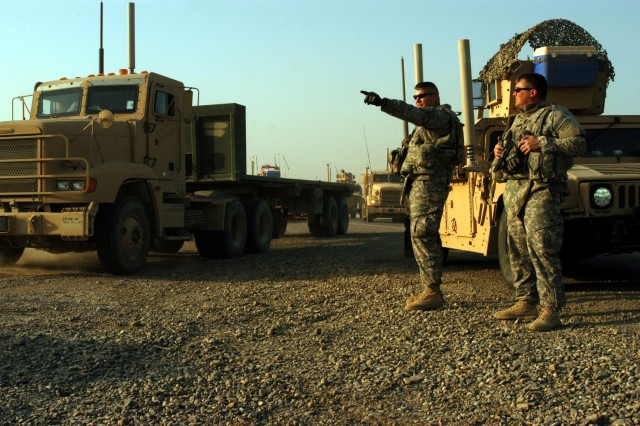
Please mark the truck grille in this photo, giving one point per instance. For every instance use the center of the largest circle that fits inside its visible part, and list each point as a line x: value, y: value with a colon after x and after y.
x: 390, y: 198
x: 18, y: 165
x: 26, y: 172
x: 628, y: 195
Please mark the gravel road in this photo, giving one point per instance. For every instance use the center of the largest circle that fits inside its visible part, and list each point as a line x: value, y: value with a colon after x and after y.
x: 311, y: 333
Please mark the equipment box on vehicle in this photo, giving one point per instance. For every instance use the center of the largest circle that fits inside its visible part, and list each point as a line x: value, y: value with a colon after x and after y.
x: 567, y: 66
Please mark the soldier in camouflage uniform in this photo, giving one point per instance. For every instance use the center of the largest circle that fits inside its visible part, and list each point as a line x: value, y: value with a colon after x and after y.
x: 539, y: 148
x: 428, y: 167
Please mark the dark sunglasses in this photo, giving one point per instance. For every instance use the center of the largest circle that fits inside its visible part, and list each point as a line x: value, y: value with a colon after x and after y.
x: 422, y: 95
x: 520, y: 89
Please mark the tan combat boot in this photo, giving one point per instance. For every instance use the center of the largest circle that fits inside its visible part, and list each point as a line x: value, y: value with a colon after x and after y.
x: 547, y: 320
x: 430, y: 298
x: 521, y: 309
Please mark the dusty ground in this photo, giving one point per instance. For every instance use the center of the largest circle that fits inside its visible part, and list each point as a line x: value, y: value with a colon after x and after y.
x: 312, y: 332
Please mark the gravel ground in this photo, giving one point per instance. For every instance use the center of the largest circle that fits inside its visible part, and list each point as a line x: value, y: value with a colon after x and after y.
x: 311, y: 333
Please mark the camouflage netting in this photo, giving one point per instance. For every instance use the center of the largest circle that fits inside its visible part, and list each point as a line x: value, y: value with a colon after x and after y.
x: 554, y: 32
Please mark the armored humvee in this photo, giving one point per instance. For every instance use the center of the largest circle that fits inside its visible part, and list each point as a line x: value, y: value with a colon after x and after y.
x: 602, y: 209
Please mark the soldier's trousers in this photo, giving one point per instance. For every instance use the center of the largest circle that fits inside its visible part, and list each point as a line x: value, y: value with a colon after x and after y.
x: 426, y: 205
x: 534, y: 243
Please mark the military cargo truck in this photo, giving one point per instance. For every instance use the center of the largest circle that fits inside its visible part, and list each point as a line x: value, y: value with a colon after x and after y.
x: 123, y: 163
x: 602, y: 209
x: 382, y: 191
x: 355, y: 201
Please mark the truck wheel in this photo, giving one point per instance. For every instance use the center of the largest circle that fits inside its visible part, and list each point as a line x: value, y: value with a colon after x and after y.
x: 330, y: 217
x: 503, y: 255
x: 369, y: 218
x: 9, y: 252
x: 315, y: 227
x: 124, y: 236
x: 259, y: 226
x: 343, y: 215
x: 280, y: 222
x: 228, y: 243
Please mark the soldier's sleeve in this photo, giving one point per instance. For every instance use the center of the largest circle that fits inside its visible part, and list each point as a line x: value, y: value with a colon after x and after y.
x: 430, y: 118
x: 568, y: 135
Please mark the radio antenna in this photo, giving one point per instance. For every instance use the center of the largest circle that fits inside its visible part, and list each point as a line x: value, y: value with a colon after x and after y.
x: 101, y: 50
x: 367, y: 146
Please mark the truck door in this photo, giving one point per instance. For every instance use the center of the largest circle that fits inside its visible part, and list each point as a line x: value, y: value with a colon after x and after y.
x: 164, y: 138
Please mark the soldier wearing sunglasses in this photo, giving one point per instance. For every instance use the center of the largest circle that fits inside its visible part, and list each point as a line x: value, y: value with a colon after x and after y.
x: 428, y: 167
x: 544, y: 139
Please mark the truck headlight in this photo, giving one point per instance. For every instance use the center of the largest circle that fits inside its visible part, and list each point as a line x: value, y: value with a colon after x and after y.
x: 69, y: 185
x: 601, y: 197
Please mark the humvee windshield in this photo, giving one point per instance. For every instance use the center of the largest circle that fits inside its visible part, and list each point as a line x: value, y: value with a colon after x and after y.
x: 613, y: 143
x: 603, y: 143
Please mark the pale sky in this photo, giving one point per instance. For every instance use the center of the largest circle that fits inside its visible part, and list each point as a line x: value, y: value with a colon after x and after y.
x: 299, y: 65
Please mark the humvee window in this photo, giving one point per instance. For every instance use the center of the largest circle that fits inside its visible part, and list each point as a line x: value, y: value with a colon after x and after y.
x: 57, y: 103
x: 117, y: 99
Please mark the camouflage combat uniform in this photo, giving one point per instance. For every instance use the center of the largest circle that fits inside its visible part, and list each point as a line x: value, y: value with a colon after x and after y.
x: 532, y: 198
x: 429, y: 163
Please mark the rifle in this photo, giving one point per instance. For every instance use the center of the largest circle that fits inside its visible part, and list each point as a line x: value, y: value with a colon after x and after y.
x: 511, y: 157
x: 406, y: 189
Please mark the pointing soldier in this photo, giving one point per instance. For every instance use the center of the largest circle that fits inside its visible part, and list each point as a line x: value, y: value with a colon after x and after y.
x: 429, y: 164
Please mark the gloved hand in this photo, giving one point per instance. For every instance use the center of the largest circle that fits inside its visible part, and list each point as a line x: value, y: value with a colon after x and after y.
x: 372, y: 98
x: 513, y: 160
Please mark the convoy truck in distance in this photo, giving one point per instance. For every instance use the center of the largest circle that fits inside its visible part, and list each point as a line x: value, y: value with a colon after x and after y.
x: 124, y: 164
x: 355, y: 201
x: 381, y: 191
x: 602, y: 208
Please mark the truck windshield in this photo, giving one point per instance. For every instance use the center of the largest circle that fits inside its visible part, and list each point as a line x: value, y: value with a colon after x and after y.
x: 613, y: 143
x: 388, y: 178
x: 117, y: 99
x: 64, y: 102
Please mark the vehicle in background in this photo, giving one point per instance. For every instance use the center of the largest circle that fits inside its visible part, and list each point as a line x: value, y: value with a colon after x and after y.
x: 382, y: 191
x: 355, y: 201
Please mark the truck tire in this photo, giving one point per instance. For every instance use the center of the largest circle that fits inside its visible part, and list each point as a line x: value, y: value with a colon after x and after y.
x: 259, y: 226
x: 228, y: 243
x: 9, y: 253
x: 503, y: 254
x: 280, y: 222
x: 330, y: 217
x: 124, y: 236
x: 343, y: 215
x: 315, y: 227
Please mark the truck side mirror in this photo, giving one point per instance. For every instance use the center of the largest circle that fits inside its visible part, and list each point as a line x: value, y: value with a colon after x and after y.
x: 105, y: 118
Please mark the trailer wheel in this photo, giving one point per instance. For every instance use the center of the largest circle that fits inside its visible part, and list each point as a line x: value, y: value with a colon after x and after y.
x: 503, y: 254
x: 9, y: 253
x: 124, y: 236
x: 280, y: 222
x: 259, y: 226
x: 315, y: 227
x: 330, y: 217
x: 230, y: 242
x: 343, y: 215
